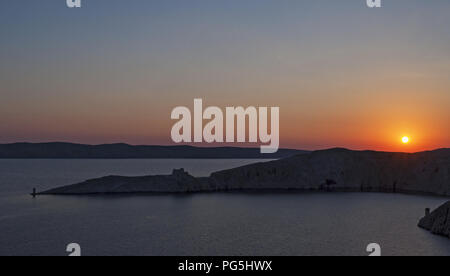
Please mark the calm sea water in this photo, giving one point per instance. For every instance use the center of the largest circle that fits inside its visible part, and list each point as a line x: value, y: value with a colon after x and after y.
x: 200, y: 224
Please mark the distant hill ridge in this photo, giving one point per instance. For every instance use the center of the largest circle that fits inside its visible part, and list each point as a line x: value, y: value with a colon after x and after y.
x: 59, y: 150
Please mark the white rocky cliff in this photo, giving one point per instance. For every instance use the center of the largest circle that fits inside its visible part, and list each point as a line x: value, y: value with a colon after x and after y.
x: 328, y: 170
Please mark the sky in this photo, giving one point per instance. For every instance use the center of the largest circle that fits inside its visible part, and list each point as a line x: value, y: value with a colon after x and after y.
x: 343, y: 75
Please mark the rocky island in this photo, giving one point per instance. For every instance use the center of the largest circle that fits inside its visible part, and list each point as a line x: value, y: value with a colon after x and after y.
x: 338, y: 170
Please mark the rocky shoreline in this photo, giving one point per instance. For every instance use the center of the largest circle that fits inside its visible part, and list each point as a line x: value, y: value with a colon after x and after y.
x: 437, y: 222
x: 331, y: 170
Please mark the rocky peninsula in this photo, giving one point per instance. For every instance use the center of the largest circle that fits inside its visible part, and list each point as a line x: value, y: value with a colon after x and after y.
x: 337, y: 170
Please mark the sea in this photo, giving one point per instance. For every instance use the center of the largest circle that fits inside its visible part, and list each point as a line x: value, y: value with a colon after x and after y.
x: 204, y: 224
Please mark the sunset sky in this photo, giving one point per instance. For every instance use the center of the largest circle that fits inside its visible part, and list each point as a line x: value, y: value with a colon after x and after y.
x: 342, y: 74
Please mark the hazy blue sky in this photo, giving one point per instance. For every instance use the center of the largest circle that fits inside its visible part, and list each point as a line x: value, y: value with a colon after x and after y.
x: 342, y: 74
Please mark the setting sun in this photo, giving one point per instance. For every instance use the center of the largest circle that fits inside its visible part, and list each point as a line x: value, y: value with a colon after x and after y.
x: 405, y: 140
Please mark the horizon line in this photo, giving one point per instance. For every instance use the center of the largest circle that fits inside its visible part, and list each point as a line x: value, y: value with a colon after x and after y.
x: 219, y: 147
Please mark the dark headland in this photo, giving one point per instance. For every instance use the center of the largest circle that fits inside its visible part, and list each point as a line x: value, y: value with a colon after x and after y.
x: 337, y: 170
x: 437, y: 222
x: 125, y: 151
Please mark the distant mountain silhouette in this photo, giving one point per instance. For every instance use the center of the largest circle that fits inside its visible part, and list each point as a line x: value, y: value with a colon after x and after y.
x: 124, y: 151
